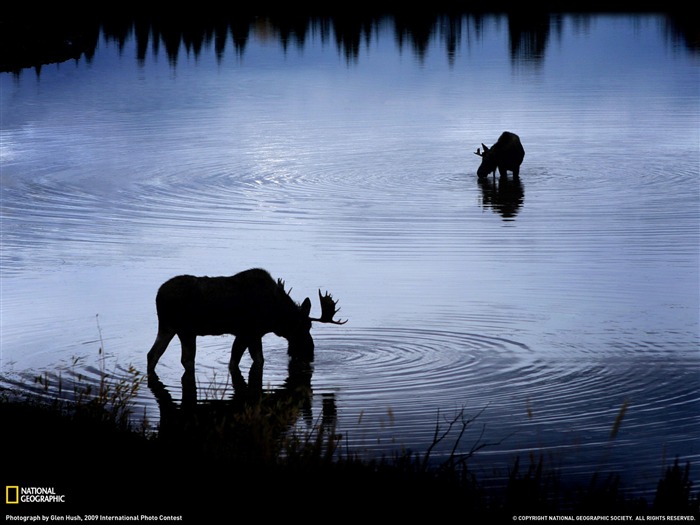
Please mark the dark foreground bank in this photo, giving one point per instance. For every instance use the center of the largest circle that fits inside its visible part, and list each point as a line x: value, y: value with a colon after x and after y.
x: 73, y: 463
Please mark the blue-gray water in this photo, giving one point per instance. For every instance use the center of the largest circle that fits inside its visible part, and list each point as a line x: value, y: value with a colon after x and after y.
x: 544, y: 305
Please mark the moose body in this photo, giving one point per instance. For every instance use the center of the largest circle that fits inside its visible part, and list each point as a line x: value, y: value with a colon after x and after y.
x: 506, y: 154
x: 247, y: 305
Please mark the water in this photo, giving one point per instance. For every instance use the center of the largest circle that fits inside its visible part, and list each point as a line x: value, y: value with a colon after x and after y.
x: 544, y: 308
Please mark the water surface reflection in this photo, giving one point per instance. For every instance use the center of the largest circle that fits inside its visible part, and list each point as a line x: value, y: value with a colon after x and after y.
x: 250, y: 421
x: 503, y: 195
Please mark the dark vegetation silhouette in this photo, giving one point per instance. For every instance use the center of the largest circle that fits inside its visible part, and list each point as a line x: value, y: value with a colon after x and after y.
x: 51, y: 35
x: 247, y: 305
x: 221, y: 455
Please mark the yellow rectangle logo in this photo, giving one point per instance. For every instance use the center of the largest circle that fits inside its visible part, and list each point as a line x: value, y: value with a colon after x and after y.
x: 11, y: 494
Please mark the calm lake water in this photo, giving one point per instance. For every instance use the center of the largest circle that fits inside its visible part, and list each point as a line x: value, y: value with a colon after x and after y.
x: 546, y: 308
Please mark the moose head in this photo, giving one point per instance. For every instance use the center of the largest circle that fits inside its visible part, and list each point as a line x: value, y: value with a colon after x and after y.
x: 489, y: 162
x: 298, y: 335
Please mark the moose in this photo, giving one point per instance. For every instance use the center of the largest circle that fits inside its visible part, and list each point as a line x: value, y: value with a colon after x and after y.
x: 506, y: 154
x: 247, y: 305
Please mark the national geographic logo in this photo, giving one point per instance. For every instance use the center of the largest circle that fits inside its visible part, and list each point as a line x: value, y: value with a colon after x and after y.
x: 11, y: 495
x: 15, y: 495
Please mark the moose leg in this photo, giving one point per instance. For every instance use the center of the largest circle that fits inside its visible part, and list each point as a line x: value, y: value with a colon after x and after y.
x: 255, y: 373
x: 255, y: 349
x: 189, y: 349
x: 255, y: 380
x: 165, y: 335
x: 239, y: 345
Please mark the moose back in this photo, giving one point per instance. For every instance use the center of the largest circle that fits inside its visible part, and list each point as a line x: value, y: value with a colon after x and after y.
x: 506, y: 154
x: 247, y: 305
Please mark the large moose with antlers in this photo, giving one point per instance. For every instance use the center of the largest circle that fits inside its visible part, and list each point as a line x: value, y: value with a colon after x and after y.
x: 247, y: 305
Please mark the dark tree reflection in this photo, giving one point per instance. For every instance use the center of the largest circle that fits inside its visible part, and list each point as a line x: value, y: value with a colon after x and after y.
x: 45, y: 37
x: 529, y: 34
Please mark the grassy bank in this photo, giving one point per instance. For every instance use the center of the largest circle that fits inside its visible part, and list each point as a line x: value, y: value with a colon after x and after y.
x: 224, y: 460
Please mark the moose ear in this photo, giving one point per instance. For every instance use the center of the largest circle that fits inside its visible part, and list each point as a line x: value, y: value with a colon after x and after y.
x: 306, y: 306
x: 485, y: 147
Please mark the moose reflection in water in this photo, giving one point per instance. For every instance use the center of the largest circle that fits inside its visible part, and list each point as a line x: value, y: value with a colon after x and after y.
x: 247, y: 305
x: 247, y: 424
x: 506, y: 154
x: 503, y: 195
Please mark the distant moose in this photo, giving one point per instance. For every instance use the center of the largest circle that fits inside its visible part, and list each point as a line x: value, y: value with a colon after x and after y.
x: 505, y: 155
x: 247, y: 305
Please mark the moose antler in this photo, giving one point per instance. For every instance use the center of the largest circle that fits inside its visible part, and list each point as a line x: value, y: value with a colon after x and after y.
x: 328, y: 309
x: 478, y: 150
